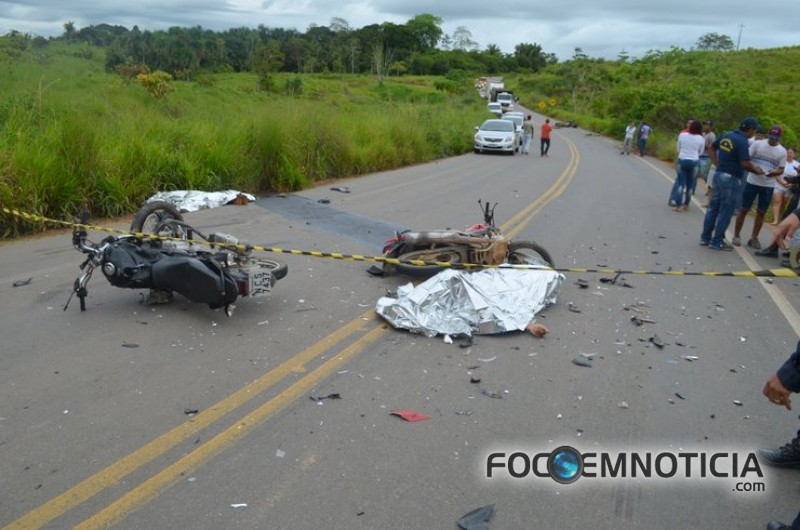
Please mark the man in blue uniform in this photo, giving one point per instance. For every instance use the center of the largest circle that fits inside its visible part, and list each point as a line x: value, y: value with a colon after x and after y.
x: 730, y: 155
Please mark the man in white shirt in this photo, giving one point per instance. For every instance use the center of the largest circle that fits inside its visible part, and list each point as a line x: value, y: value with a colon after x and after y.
x: 770, y: 155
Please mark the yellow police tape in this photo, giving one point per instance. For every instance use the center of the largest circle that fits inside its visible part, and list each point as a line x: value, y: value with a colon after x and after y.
x: 764, y: 273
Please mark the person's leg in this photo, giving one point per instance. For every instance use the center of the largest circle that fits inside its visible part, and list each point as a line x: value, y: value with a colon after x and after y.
x: 730, y: 193
x: 679, y: 187
x: 748, y: 196
x: 710, y: 219
x: 691, y: 182
x: 764, y: 195
x: 777, y: 205
x: 642, y: 143
x: 547, y: 146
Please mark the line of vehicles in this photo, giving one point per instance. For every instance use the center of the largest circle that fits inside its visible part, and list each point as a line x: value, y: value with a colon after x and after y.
x: 504, y: 133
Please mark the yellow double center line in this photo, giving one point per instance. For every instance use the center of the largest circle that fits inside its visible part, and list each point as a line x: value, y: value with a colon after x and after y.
x: 150, y: 488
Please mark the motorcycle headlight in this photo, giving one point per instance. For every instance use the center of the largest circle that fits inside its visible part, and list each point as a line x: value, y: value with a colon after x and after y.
x: 109, y: 269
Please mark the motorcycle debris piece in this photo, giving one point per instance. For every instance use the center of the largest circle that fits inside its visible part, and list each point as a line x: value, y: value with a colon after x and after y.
x: 657, y: 341
x: 129, y: 345
x: 410, y: 415
x: 738, y: 403
x: 572, y: 307
x: 623, y: 405
x: 636, y: 320
x: 319, y: 399
x: 679, y: 395
x: 456, y: 302
x: 474, y: 380
x: 583, y: 284
x: 467, y: 342
x: 239, y: 505
x: 477, y: 519
x: 376, y: 271
x: 463, y: 413
x: 190, y: 412
x: 341, y: 189
x: 20, y: 283
x: 580, y: 360
x: 491, y: 394
x: 690, y: 358
x: 324, y: 201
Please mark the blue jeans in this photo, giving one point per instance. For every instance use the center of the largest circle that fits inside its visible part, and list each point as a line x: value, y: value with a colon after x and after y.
x: 642, y: 146
x: 683, y: 188
x: 725, y: 200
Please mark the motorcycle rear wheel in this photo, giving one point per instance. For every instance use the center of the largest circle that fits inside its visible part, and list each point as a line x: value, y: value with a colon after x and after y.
x: 527, y: 253
x: 278, y: 269
x: 154, y: 218
x: 449, y: 254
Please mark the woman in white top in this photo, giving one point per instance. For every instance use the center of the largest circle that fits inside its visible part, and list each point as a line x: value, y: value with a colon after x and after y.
x: 781, y: 192
x: 690, y: 146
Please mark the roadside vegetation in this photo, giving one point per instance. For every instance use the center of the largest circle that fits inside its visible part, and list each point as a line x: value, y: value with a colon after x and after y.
x: 103, y: 117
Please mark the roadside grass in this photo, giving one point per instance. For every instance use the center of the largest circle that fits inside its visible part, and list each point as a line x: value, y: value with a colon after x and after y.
x: 73, y: 136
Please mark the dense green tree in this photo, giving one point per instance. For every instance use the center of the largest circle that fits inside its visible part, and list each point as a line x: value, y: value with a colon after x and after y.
x: 715, y: 42
x: 426, y: 29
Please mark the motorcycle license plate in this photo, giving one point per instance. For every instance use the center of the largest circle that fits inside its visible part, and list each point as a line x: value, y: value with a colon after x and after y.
x: 260, y: 281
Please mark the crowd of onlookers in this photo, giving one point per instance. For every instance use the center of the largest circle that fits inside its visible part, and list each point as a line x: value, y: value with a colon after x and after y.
x: 751, y: 168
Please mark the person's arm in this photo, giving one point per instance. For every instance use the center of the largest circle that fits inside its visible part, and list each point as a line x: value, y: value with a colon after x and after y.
x: 712, y: 154
x: 787, y: 380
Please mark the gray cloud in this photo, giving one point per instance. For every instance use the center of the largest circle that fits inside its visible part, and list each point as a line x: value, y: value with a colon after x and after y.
x: 600, y: 29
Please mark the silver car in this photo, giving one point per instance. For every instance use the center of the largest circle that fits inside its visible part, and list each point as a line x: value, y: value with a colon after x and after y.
x: 497, y: 135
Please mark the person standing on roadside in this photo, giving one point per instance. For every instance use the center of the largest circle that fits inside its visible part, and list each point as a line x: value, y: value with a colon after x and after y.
x: 770, y: 156
x: 730, y: 153
x: 690, y: 145
x: 545, y: 137
x: 778, y: 390
x: 644, y: 135
x: 527, y: 135
x: 704, y: 164
x: 782, y: 191
x: 630, y: 130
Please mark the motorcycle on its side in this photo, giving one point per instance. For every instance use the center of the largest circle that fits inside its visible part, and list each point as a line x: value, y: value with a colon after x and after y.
x: 480, y: 244
x: 215, y: 272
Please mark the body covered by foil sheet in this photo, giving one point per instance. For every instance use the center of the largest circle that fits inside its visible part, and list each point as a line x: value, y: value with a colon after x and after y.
x: 456, y: 302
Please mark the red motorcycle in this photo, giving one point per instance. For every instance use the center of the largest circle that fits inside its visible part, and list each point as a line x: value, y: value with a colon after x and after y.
x: 481, y: 244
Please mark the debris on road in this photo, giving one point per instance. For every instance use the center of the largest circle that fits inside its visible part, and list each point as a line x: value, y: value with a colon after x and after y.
x: 580, y: 360
x: 324, y: 201
x: 491, y: 394
x: 376, y: 271
x: 490, y: 359
x: 410, y: 415
x: 583, y: 284
x: 20, y: 283
x: 239, y: 505
x: 190, y: 412
x: 657, y: 341
x: 279, y: 453
x: 623, y: 405
x: 738, y: 403
x: 319, y: 399
x: 679, y: 395
x: 476, y: 519
x: 129, y: 345
x: 447, y: 339
x: 690, y: 358
x: 341, y: 189
x: 572, y: 307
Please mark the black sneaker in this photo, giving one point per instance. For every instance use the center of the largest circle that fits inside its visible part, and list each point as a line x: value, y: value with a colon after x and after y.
x: 786, y: 456
x: 769, y: 252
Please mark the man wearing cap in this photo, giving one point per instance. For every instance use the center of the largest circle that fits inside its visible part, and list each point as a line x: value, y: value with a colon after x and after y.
x: 770, y: 156
x: 730, y: 153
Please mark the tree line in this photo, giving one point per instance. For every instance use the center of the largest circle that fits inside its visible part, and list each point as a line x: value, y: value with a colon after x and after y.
x: 418, y: 47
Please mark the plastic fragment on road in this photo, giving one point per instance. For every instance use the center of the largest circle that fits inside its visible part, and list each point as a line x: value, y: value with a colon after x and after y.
x: 572, y: 307
x: 341, y: 189
x: 279, y: 453
x: 583, y: 284
x: 657, y: 341
x: 738, y: 403
x: 239, y: 505
x: 491, y: 394
x: 319, y: 399
x: 129, y: 345
x: 20, y: 283
x: 580, y: 360
x: 190, y: 412
x: 477, y: 519
x: 457, y: 302
x: 410, y: 415
x: 623, y: 405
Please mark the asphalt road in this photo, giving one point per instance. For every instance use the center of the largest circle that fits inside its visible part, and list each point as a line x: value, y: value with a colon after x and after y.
x: 93, y: 429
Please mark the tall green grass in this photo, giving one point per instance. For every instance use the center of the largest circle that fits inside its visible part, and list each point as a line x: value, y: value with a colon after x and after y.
x: 73, y: 136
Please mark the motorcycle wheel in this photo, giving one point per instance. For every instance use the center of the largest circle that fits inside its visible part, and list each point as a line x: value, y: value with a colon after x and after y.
x: 154, y: 218
x: 278, y: 269
x: 449, y: 254
x: 528, y: 253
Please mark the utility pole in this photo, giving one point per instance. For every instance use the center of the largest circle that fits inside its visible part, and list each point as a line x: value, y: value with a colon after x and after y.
x: 741, y: 26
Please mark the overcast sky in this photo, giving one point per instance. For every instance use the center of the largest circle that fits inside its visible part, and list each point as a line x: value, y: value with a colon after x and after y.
x: 601, y: 28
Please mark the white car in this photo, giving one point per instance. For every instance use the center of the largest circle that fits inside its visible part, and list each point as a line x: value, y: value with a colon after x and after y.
x: 495, y: 108
x: 497, y: 135
x: 517, y: 118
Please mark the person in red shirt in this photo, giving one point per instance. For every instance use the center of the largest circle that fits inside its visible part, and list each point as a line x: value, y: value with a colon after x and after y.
x: 545, y: 137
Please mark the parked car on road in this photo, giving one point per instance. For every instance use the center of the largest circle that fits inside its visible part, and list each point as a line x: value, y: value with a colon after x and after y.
x: 500, y: 136
x: 495, y: 108
x: 516, y: 117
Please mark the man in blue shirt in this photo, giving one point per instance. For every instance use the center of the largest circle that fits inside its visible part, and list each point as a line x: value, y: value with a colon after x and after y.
x: 730, y: 155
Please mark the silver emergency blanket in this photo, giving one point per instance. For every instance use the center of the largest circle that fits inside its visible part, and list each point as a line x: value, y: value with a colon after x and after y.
x: 486, y: 302
x: 193, y: 200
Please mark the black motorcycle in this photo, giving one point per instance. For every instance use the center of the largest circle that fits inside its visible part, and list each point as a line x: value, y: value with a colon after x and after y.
x: 213, y: 269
